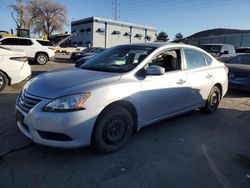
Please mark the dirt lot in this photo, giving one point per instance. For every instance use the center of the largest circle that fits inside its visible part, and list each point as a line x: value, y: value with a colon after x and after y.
x: 192, y: 150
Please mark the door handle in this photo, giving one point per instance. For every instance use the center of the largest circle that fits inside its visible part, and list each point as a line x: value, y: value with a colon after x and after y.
x: 209, y: 76
x: 180, y: 82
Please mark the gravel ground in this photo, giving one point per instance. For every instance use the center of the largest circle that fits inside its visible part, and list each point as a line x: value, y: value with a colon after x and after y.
x: 191, y: 150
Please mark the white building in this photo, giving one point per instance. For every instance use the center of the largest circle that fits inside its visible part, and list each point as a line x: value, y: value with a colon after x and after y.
x: 102, y: 32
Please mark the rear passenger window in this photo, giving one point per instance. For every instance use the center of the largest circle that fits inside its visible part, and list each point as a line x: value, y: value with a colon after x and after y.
x: 194, y: 59
x: 208, y: 59
x: 24, y: 42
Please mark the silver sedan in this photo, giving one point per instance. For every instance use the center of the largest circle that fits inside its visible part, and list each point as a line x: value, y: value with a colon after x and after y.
x: 117, y: 93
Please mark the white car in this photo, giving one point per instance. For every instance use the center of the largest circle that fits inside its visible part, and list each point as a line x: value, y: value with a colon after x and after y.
x: 37, y: 50
x: 14, y: 67
x: 222, y: 52
x: 117, y: 92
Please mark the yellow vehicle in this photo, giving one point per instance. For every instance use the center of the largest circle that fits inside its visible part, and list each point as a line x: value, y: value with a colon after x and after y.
x: 19, y: 33
x: 61, y: 46
x: 6, y: 34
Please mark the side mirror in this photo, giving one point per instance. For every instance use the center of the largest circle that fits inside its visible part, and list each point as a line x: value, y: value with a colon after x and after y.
x: 155, y: 70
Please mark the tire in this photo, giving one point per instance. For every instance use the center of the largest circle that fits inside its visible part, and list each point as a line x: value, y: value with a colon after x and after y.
x: 3, y: 81
x: 113, y: 129
x: 213, y: 101
x: 42, y: 58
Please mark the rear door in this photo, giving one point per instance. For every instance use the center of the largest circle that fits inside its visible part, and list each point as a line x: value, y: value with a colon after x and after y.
x: 199, y: 74
x: 19, y: 44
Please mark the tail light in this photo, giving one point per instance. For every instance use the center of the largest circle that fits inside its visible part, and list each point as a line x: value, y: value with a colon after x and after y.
x: 22, y: 59
x: 226, y: 68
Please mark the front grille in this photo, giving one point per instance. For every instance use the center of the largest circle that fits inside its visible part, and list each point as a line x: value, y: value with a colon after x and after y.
x: 26, y: 101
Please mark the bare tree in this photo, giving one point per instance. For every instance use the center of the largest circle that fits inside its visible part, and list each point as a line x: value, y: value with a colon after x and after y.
x: 163, y: 36
x: 42, y: 16
x: 19, y: 9
x: 50, y: 16
x: 178, y: 37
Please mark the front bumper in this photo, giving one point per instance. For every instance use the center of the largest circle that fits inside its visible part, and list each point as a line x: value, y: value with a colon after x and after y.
x: 64, y: 130
x: 52, y: 58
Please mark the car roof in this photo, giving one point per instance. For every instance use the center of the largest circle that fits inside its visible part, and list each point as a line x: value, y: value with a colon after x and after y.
x: 216, y: 44
x: 243, y: 48
x: 159, y: 44
x: 243, y: 54
x: 24, y: 38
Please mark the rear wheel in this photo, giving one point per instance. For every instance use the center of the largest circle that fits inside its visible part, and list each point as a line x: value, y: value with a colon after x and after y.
x: 3, y: 81
x: 41, y: 58
x: 113, y: 129
x: 213, y: 101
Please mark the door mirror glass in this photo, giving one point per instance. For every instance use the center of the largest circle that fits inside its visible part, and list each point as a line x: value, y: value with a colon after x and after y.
x: 155, y: 70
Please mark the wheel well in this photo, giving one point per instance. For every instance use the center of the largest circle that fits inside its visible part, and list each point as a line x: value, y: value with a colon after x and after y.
x: 129, y: 106
x: 220, y: 88
x: 41, y: 53
x: 7, y: 76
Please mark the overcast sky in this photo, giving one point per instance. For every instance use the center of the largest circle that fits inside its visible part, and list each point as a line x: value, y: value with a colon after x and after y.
x: 171, y: 16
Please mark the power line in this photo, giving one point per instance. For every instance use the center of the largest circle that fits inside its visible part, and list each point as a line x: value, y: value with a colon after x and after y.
x: 178, y: 7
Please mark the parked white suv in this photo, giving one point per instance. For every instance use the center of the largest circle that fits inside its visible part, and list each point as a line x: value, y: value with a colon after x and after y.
x: 37, y: 50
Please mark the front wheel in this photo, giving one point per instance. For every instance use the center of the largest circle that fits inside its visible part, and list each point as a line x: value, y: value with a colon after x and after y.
x: 213, y: 101
x: 113, y: 129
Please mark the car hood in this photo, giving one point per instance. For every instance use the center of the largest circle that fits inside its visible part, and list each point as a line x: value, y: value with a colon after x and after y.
x: 62, y: 82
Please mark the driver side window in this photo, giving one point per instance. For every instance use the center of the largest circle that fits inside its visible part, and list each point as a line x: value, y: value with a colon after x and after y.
x: 170, y: 60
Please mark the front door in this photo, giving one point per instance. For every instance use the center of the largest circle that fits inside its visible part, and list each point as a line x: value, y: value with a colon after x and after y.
x: 168, y: 93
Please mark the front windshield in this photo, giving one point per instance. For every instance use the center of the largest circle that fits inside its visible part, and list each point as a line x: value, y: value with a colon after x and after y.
x: 118, y: 59
x: 211, y: 48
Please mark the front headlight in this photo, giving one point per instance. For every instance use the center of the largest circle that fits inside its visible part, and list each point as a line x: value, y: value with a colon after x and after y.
x: 68, y: 103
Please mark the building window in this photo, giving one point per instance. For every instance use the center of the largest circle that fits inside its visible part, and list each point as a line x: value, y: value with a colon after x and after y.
x: 88, y: 30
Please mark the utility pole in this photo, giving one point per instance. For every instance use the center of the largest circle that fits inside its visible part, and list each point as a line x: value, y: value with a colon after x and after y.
x: 115, y: 3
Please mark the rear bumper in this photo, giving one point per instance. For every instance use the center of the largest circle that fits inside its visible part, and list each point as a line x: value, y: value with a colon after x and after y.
x: 20, y: 75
